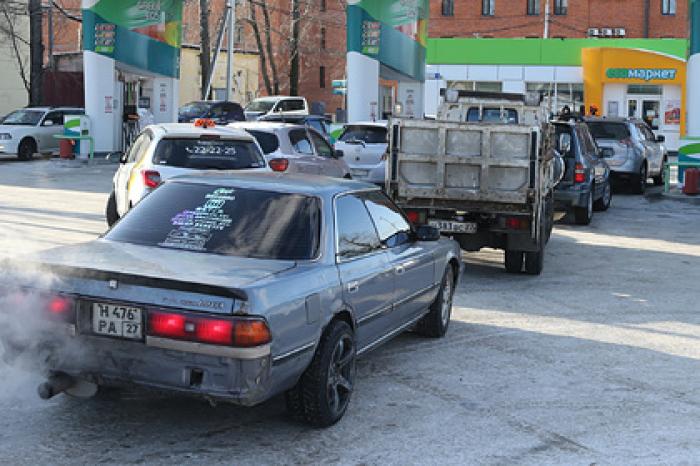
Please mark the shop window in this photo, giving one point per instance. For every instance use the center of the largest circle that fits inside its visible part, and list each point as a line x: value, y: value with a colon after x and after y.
x: 481, y: 86
x: 644, y: 89
x: 488, y: 7
x: 668, y: 7
x: 448, y: 8
x: 533, y: 7
x: 561, y: 7
x: 570, y: 94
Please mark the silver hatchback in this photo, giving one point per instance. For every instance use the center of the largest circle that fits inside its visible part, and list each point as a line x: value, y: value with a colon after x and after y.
x: 631, y: 149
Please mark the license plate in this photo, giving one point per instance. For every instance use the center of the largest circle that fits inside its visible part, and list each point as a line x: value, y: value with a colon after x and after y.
x: 447, y: 226
x: 114, y: 320
x: 359, y: 173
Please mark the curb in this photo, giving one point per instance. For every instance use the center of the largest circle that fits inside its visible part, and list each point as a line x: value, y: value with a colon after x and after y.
x: 674, y: 195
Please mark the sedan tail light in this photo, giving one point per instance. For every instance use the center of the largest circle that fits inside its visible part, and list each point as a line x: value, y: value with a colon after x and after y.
x: 151, y: 178
x: 579, y: 174
x: 244, y: 332
x: 279, y: 165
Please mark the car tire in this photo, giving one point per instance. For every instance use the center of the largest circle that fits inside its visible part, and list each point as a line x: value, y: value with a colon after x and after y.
x: 435, y: 323
x: 659, y: 179
x: 549, y: 216
x: 603, y: 203
x: 323, y: 392
x: 584, y: 215
x: 640, y: 181
x: 513, y: 261
x: 26, y: 149
x: 111, y: 213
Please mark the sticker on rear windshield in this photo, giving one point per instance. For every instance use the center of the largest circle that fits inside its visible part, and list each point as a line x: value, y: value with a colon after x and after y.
x: 194, y: 228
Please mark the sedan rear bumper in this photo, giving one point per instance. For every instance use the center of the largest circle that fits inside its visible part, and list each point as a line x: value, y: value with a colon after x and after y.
x: 237, y: 375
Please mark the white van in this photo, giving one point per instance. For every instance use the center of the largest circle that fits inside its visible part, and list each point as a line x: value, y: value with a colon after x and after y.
x: 276, y: 105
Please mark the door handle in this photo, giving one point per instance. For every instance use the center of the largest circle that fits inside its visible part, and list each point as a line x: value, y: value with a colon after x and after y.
x: 353, y: 287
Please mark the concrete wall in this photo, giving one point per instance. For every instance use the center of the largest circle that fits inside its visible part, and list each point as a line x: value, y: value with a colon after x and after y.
x: 245, y: 70
x: 13, y: 94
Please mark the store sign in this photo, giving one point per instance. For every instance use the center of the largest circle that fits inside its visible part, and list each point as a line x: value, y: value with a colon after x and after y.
x: 645, y: 74
x: 146, y: 34
x: 393, y: 32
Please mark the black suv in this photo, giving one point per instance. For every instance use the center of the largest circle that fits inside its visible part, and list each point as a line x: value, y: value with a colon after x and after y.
x: 219, y: 111
x: 586, y: 183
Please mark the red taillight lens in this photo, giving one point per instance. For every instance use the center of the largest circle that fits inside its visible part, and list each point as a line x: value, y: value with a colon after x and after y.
x: 579, y: 174
x: 413, y: 216
x: 215, y: 331
x: 517, y: 223
x: 151, y: 178
x: 279, y: 165
x: 61, y: 308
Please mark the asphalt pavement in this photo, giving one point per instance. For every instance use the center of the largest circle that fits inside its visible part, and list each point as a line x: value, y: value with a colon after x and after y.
x: 595, y: 361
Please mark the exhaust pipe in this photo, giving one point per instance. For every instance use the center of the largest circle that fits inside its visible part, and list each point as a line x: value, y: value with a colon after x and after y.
x: 56, y: 383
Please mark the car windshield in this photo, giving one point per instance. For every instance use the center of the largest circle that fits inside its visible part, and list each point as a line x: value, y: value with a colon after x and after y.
x: 268, y: 141
x: 224, y: 220
x: 607, y: 130
x: 194, y: 109
x: 366, y: 134
x: 219, y: 154
x: 260, y: 106
x: 23, y: 117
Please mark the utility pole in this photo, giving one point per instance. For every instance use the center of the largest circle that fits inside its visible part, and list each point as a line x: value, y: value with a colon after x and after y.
x: 547, y: 20
x: 36, y: 52
x: 231, y: 7
x: 50, y: 34
x: 204, y: 48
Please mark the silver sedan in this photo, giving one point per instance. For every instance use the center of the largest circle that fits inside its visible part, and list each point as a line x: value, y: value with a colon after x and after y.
x: 294, y: 148
x: 238, y: 287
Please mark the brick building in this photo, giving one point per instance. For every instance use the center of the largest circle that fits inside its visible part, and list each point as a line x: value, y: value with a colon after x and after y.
x: 567, y: 19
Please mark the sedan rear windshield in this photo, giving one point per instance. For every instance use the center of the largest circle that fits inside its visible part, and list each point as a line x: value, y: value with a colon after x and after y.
x: 268, y: 141
x: 224, y: 220
x: 205, y: 154
x: 366, y: 134
x: 607, y: 130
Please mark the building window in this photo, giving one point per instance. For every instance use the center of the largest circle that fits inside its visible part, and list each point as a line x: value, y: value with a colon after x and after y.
x: 448, y: 8
x: 322, y: 4
x: 322, y: 76
x: 488, y: 7
x: 561, y: 7
x: 533, y: 7
x: 668, y: 7
x: 323, y: 38
x: 481, y: 86
x: 557, y: 96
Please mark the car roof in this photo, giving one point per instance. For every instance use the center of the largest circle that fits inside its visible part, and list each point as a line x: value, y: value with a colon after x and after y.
x: 264, y: 125
x: 277, y: 182
x: 190, y: 130
x: 612, y: 120
x: 380, y: 123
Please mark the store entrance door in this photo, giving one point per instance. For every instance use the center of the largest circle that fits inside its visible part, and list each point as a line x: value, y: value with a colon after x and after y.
x: 647, y: 108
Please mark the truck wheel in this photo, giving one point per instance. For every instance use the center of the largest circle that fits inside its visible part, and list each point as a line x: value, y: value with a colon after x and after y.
x: 323, y: 392
x: 640, y: 181
x: 435, y: 322
x: 111, y: 211
x: 584, y: 215
x: 26, y: 149
x: 659, y: 179
x: 603, y: 203
x: 534, y: 262
x: 514, y: 261
x: 549, y: 210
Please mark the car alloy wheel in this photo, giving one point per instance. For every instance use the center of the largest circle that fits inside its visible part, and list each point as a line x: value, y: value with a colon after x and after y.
x: 446, y: 307
x: 341, y: 373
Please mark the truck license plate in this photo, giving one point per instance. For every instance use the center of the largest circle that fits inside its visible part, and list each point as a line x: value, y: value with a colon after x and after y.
x: 447, y: 226
x: 113, y: 320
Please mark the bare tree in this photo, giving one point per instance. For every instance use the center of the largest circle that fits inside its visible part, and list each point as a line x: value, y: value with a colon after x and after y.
x: 10, y: 14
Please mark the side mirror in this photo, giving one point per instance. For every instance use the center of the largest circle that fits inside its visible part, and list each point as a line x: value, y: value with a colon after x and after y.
x: 339, y: 154
x: 607, y: 152
x: 427, y: 233
x: 660, y: 138
x: 47, y: 123
x: 123, y: 158
x: 564, y: 143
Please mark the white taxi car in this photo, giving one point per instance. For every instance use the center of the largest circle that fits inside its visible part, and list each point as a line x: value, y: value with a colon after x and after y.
x: 165, y: 150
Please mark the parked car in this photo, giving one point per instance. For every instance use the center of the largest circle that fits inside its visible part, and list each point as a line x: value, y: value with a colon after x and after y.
x: 243, y: 287
x: 632, y: 151
x: 166, y: 150
x: 219, y: 111
x: 31, y: 130
x: 585, y: 186
x: 276, y: 104
x: 364, y: 145
x: 296, y: 149
x: 318, y: 122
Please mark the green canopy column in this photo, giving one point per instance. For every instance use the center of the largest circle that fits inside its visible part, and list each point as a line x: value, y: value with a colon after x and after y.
x: 690, y: 152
